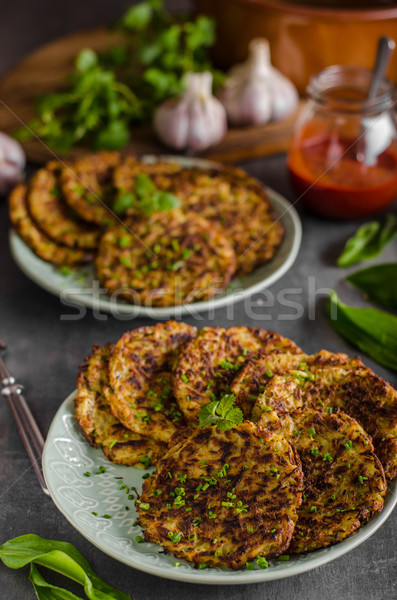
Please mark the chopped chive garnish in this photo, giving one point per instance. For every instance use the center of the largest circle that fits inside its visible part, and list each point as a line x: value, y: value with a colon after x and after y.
x: 262, y: 562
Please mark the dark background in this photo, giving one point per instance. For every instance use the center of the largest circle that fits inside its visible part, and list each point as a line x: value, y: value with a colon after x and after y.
x: 45, y: 351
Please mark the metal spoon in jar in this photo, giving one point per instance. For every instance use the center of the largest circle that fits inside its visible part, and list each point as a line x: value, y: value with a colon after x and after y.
x: 383, y: 54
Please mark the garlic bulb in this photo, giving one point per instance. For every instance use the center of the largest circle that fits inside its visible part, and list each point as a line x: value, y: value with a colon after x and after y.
x: 256, y: 92
x: 194, y: 121
x: 12, y: 163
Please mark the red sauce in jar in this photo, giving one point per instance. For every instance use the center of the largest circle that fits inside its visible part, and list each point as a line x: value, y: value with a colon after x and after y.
x: 332, y: 182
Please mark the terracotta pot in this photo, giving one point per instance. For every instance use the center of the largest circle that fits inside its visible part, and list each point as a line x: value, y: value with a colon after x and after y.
x: 303, y: 39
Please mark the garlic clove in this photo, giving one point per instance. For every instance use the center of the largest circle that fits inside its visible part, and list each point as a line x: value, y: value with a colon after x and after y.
x: 256, y: 92
x: 285, y: 97
x: 194, y: 121
x: 171, y: 124
x: 250, y: 105
x: 12, y: 163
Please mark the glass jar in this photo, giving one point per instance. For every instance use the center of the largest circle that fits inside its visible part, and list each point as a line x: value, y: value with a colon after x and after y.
x: 343, y: 155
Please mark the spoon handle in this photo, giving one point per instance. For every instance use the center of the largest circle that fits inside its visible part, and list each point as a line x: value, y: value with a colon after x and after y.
x: 385, y: 48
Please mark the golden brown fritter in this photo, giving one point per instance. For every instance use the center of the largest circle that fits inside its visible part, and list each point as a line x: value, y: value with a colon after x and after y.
x: 223, y: 497
x: 97, y: 422
x: 53, y: 216
x: 37, y: 241
x: 161, y: 173
x: 140, y: 377
x: 239, y: 206
x: 255, y: 375
x: 209, y: 362
x: 329, y: 381
x: 229, y: 198
x: 167, y: 259
x: 344, y: 482
x: 88, y: 188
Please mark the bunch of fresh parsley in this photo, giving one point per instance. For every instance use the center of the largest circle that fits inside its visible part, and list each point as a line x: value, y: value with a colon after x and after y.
x: 96, y: 109
x: 108, y: 93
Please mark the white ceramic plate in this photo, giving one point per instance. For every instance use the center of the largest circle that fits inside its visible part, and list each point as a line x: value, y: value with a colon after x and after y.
x: 81, y: 287
x: 67, y: 456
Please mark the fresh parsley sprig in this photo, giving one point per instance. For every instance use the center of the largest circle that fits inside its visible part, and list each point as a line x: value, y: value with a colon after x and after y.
x: 145, y: 198
x: 221, y: 413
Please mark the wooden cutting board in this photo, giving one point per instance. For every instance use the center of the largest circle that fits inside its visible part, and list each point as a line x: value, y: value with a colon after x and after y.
x: 44, y: 71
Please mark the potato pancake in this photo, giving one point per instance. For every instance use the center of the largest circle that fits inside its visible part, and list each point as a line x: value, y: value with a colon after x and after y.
x: 45, y: 248
x: 140, y: 378
x: 239, y: 206
x: 329, y: 381
x: 167, y: 259
x: 229, y: 198
x: 97, y: 422
x: 161, y: 173
x: 255, y: 375
x: 223, y: 498
x: 88, y: 188
x: 211, y: 360
x: 344, y: 482
x: 53, y: 216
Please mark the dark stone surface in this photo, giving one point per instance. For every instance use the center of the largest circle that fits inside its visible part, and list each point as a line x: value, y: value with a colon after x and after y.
x: 44, y: 354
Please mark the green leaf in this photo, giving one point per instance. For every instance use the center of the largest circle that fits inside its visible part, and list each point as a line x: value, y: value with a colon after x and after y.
x: 138, y: 17
x: 46, y: 591
x: 371, y: 330
x: 222, y: 413
x: 356, y: 245
x: 124, y: 202
x: 114, y: 137
x: 368, y: 241
x: 200, y: 33
x: 379, y: 283
x: 144, y: 185
x: 86, y: 59
x: 61, y: 557
x: 165, y: 201
x: 165, y: 84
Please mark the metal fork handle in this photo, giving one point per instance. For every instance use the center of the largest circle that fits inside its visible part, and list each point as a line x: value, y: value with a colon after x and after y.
x: 38, y: 442
x: 24, y: 420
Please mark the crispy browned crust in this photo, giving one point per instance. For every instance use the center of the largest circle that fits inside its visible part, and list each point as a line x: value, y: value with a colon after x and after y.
x: 37, y: 241
x: 168, y: 259
x: 211, y: 360
x: 160, y: 172
x: 97, y: 423
x: 328, y: 381
x: 88, y: 189
x: 140, y: 376
x: 251, y: 380
x: 229, y: 198
x: 344, y: 482
x: 53, y: 216
x: 254, y: 472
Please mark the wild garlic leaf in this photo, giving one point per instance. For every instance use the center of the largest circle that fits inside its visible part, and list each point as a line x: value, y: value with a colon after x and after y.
x: 355, y: 245
x: 46, y: 591
x: 371, y: 330
x: 379, y: 283
x: 222, y: 413
x: 61, y: 557
x: 369, y: 241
